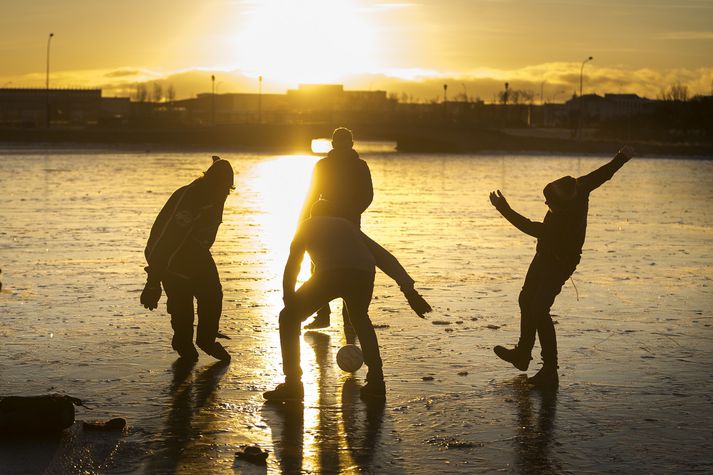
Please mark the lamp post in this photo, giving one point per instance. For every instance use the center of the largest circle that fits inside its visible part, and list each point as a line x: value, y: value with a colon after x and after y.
x: 212, y: 101
x: 581, y: 104
x: 47, y: 81
x: 259, y: 100
x: 581, y: 73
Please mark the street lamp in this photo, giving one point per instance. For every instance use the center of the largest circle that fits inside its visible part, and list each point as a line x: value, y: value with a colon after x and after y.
x: 212, y: 101
x: 581, y: 103
x: 581, y: 73
x: 47, y: 81
x: 259, y: 100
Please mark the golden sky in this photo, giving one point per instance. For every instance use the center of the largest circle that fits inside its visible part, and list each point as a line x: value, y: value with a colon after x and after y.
x: 476, y: 45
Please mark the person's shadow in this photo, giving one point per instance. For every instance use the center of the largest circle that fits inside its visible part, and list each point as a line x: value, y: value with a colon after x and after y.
x: 342, y: 417
x: 187, y: 398
x: 362, y: 425
x: 535, y: 434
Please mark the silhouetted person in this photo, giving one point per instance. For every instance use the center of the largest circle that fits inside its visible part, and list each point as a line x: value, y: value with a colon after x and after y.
x: 178, y: 255
x: 343, y: 179
x: 560, y: 237
x: 344, y: 265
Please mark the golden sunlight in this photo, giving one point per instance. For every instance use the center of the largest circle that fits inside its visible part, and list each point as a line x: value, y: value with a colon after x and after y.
x: 306, y: 42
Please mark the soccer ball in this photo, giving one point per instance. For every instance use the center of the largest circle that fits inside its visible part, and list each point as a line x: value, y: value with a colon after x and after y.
x: 349, y: 358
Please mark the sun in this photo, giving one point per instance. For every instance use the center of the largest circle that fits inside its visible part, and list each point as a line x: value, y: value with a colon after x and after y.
x: 306, y: 41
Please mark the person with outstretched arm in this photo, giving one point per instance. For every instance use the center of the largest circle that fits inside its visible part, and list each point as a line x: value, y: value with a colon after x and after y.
x: 344, y: 266
x: 560, y: 237
x: 178, y: 256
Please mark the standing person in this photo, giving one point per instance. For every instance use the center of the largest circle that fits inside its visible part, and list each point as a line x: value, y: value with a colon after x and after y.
x: 343, y: 179
x: 178, y: 255
x: 559, y: 247
x: 344, y: 266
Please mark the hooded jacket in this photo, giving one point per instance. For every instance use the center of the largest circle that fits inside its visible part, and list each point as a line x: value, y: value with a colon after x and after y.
x: 186, y: 223
x: 344, y: 180
x: 561, y: 234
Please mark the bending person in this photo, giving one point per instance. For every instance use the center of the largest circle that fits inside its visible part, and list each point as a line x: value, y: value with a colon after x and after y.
x: 560, y: 237
x: 178, y: 255
x: 343, y: 267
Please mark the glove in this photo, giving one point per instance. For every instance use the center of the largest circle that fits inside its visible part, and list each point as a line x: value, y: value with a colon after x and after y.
x: 150, y: 295
x: 417, y: 302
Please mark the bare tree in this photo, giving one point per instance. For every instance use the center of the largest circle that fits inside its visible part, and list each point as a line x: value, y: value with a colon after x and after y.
x: 141, y: 93
x: 171, y: 93
x: 675, y: 92
x: 157, y: 92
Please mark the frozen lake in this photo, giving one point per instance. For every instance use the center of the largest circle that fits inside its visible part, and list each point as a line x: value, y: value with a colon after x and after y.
x: 636, y: 345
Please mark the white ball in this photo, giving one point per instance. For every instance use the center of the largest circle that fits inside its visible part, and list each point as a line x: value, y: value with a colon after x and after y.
x: 350, y: 358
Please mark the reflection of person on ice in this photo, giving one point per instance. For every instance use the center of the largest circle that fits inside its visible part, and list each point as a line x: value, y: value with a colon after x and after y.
x: 178, y: 255
x: 559, y: 247
x: 344, y: 261
x: 344, y: 180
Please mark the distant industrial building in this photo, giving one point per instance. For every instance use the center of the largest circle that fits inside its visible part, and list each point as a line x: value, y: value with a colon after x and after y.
x: 20, y: 107
x: 598, y: 108
x: 307, y: 103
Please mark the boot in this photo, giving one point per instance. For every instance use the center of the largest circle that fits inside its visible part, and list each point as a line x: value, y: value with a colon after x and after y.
x: 373, y: 390
x: 322, y: 319
x: 545, y: 379
x: 216, y: 350
x: 516, y: 357
x: 286, y: 392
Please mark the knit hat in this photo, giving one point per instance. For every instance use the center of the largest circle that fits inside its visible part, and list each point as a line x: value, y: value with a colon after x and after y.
x: 220, y: 173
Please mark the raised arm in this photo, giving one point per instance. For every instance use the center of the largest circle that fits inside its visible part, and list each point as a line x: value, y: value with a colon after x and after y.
x: 595, y: 179
x: 393, y: 268
x: 533, y: 228
x: 388, y: 263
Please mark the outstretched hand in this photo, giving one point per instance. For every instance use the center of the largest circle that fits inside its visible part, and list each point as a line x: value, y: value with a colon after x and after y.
x: 150, y: 295
x: 498, y: 200
x: 625, y: 153
x: 417, y: 303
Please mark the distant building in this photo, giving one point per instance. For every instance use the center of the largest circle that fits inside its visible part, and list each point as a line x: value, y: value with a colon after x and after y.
x: 234, y: 108
x: 29, y: 107
x: 612, y: 106
x: 308, y: 103
x: 315, y: 102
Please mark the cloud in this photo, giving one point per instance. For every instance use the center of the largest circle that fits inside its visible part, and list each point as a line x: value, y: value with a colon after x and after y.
x: 120, y: 73
x: 555, y: 81
x: 688, y: 35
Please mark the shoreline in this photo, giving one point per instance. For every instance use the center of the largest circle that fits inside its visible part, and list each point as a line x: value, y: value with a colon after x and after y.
x: 61, y: 148
x: 297, y: 139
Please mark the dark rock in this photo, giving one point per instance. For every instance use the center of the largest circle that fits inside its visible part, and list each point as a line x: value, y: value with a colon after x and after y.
x: 252, y: 454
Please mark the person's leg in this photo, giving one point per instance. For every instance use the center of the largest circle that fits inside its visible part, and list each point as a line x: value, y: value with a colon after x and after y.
x: 312, y: 295
x: 209, y: 295
x: 549, y: 288
x: 520, y: 356
x: 179, y: 304
x: 528, y: 313
x: 322, y: 319
x: 358, y: 297
x: 349, y: 332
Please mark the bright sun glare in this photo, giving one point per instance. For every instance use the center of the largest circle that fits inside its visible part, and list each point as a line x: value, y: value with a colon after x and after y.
x: 306, y: 41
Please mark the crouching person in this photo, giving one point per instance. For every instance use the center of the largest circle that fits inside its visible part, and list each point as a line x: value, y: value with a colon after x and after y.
x: 178, y: 256
x: 344, y: 267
